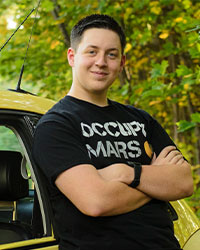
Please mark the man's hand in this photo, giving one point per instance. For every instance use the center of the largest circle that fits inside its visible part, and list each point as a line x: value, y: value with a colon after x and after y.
x: 169, y: 155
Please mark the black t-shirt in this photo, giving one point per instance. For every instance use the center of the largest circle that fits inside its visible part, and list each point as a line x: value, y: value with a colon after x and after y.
x: 76, y: 132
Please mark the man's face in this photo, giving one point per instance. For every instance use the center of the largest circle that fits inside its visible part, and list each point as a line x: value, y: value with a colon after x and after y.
x: 97, y: 61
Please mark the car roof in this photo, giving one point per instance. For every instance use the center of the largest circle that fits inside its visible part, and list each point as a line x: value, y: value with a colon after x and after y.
x: 13, y: 100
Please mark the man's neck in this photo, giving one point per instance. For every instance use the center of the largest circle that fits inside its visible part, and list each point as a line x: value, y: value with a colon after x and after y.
x: 94, y: 98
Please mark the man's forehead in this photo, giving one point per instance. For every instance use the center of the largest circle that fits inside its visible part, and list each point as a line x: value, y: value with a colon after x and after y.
x: 95, y: 37
x: 98, y: 31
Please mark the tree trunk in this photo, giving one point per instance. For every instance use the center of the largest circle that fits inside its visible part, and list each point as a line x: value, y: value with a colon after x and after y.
x: 192, y: 110
x: 172, y: 68
x: 175, y: 120
x: 197, y: 135
x: 55, y: 14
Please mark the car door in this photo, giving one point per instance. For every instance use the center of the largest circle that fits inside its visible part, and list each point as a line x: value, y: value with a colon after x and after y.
x: 26, y: 218
x: 186, y: 225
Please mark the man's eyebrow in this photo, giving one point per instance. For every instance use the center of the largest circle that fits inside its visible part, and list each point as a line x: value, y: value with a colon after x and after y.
x: 113, y: 49
x: 96, y: 47
x: 92, y: 46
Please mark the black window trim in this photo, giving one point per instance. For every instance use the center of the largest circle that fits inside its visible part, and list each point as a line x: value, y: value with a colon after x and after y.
x: 18, y: 123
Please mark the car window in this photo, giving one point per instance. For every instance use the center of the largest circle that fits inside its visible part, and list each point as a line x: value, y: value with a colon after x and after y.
x: 8, y: 140
x: 16, y: 190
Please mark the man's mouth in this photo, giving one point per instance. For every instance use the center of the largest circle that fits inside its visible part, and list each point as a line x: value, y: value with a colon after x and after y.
x: 99, y: 73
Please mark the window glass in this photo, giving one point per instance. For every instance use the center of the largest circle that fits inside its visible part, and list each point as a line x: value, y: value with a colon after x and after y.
x: 15, y: 211
x: 8, y: 140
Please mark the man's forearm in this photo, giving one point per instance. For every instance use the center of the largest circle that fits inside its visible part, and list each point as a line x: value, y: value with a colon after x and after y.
x: 164, y: 182
x: 168, y: 182
x: 96, y: 196
x: 122, y: 199
x: 168, y: 178
x: 106, y: 192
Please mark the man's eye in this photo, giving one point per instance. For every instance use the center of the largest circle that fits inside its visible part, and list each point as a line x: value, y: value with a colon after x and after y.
x: 112, y: 55
x: 91, y: 52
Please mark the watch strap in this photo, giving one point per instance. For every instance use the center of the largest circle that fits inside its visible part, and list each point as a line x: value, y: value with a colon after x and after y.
x: 138, y: 169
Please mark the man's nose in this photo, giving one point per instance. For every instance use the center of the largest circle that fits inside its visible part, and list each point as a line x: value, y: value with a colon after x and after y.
x: 101, y: 60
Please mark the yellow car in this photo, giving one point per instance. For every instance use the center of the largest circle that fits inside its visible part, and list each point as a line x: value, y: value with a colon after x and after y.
x: 26, y: 220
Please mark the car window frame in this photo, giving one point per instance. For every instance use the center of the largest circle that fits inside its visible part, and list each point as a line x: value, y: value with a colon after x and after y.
x: 21, y: 123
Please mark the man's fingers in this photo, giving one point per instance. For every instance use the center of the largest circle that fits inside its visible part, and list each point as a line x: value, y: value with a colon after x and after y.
x: 173, y: 153
x: 166, y: 151
x: 169, y: 155
x: 176, y: 158
x: 154, y: 158
x: 181, y: 161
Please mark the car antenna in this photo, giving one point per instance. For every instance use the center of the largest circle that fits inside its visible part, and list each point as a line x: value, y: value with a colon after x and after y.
x: 17, y: 29
x: 18, y: 89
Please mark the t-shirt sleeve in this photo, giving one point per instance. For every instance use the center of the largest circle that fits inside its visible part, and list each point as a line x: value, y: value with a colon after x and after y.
x: 58, y: 147
x: 158, y: 137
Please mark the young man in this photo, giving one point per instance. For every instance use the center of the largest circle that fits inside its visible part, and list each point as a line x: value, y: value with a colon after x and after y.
x: 108, y: 190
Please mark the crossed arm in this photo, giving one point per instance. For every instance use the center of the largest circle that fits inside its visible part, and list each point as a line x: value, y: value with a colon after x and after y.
x: 106, y: 192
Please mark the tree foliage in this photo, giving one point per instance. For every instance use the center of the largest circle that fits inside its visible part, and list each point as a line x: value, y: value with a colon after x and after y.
x: 162, y: 71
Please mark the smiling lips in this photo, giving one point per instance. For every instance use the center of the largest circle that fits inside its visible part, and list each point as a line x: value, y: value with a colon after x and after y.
x: 99, y: 73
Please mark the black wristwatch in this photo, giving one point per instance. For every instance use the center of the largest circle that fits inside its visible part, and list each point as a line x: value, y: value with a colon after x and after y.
x: 138, y: 169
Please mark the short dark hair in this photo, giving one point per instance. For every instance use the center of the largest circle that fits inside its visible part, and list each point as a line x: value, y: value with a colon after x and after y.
x: 96, y: 21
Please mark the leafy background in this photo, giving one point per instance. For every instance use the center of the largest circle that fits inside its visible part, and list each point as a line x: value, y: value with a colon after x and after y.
x: 162, y: 71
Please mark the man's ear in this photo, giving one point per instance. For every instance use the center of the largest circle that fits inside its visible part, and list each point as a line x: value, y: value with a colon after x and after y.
x: 70, y: 56
x: 123, y: 60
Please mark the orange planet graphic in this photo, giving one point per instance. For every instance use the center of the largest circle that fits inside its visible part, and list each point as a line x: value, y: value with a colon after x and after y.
x: 148, y: 149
